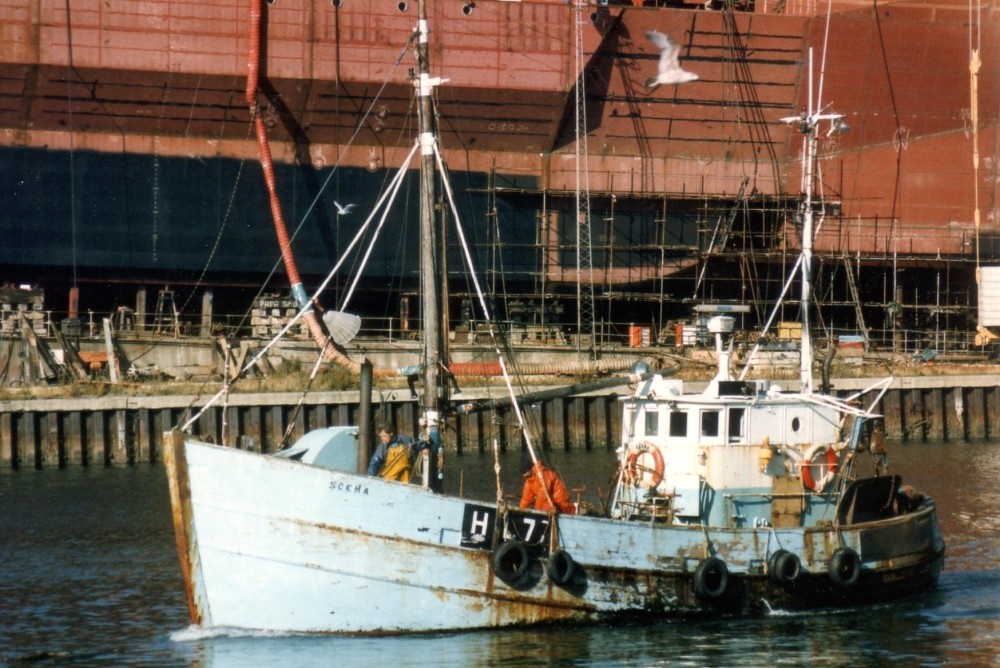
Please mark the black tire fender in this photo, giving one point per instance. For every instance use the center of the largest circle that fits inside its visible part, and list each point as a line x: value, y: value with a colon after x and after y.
x: 510, y: 561
x: 711, y: 578
x: 560, y: 567
x: 844, y: 567
x: 784, y: 567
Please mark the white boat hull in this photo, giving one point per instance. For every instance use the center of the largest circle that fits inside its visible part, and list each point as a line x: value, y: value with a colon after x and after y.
x: 269, y: 543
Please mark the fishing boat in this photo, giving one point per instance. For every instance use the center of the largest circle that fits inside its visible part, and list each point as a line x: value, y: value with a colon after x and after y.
x: 740, y: 498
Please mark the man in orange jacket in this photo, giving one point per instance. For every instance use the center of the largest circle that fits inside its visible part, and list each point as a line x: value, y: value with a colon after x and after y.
x: 538, y: 480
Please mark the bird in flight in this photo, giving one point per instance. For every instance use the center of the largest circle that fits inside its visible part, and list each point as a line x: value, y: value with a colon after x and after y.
x: 343, y: 209
x: 670, y: 70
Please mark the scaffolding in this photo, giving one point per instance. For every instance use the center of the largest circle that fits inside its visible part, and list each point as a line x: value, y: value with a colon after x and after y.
x: 653, y: 256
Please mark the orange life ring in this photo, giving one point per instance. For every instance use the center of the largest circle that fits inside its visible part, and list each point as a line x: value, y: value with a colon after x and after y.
x: 828, y: 467
x: 635, y: 470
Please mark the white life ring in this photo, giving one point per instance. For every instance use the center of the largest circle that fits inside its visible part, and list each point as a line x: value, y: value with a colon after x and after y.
x: 821, y: 455
x: 636, y: 470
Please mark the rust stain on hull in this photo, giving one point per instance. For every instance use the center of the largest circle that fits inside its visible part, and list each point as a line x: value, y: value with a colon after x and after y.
x: 180, y: 504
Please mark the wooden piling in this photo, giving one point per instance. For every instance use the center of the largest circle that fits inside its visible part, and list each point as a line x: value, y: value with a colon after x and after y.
x: 955, y: 414
x: 992, y: 416
x: 975, y: 413
x: 8, y: 452
x: 935, y: 414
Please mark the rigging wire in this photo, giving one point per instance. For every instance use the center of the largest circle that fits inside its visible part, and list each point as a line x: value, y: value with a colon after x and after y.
x: 357, y: 130
x: 758, y: 136
x: 974, y: 64
x: 586, y: 312
x: 895, y: 115
x: 393, y: 192
x: 222, y: 228
x: 293, y: 321
x: 493, y: 333
x: 293, y: 417
x: 350, y: 142
x: 395, y: 270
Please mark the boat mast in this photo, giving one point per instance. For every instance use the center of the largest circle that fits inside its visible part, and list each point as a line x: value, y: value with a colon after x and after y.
x: 808, y: 123
x: 430, y: 260
x: 809, y: 130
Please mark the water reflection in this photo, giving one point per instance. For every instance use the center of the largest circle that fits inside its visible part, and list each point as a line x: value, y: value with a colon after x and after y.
x: 874, y: 636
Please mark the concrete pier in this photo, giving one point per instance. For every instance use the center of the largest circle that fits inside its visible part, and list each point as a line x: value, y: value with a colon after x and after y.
x: 111, y: 431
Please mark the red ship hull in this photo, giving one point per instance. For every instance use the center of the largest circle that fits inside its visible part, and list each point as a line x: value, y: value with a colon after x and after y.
x: 167, y: 79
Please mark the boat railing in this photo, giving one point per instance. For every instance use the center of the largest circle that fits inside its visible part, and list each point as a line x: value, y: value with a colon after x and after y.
x: 655, y: 509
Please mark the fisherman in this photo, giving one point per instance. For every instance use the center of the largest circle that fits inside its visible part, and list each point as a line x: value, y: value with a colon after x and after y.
x: 880, y: 450
x: 542, y: 484
x: 392, y: 457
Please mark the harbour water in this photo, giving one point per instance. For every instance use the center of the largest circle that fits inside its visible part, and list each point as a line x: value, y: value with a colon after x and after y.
x: 89, y: 576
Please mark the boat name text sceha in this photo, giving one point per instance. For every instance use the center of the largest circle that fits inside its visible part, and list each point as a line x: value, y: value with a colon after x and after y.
x: 348, y: 487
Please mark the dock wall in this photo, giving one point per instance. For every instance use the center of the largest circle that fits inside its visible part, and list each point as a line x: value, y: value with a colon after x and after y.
x: 53, y: 433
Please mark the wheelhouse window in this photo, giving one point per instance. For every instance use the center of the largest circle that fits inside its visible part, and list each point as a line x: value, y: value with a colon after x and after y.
x: 736, y: 416
x: 652, y: 423
x: 678, y: 423
x: 710, y: 423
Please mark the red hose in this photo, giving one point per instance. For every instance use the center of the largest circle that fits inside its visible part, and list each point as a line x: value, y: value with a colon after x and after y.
x: 267, y: 164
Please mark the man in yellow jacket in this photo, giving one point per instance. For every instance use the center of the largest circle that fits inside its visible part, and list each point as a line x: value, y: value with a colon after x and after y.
x: 391, y: 459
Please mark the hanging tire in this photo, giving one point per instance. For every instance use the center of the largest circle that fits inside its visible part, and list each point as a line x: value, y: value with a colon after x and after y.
x: 784, y: 567
x: 510, y: 561
x: 844, y: 567
x: 560, y: 567
x: 711, y: 578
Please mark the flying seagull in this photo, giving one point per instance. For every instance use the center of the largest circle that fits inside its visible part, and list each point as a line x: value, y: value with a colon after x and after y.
x: 343, y: 209
x: 670, y: 69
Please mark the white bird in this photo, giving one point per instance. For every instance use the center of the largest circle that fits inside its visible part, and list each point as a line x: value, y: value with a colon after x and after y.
x: 670, y: 70
x: 343, y: 209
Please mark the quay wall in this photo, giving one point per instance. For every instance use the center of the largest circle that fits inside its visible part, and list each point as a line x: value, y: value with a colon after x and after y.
x: 121, y: 430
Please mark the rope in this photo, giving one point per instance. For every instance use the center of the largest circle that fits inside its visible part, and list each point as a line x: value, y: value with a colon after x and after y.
x: 298, y: 407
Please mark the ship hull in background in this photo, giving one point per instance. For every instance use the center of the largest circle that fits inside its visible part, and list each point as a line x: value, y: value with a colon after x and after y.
x: 148, y: 99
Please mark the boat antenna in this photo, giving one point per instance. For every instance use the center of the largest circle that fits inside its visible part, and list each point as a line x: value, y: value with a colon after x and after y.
x: 808, y: 123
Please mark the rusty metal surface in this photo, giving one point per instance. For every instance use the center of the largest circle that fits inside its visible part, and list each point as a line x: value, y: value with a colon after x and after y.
x: 893, y: 539
x: 787, y: 503
x: 175, y: 460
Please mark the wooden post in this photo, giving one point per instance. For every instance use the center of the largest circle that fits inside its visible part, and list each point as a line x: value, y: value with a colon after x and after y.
x: 8, y: 459
x: 113, y: 369
x: 206, y: 313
